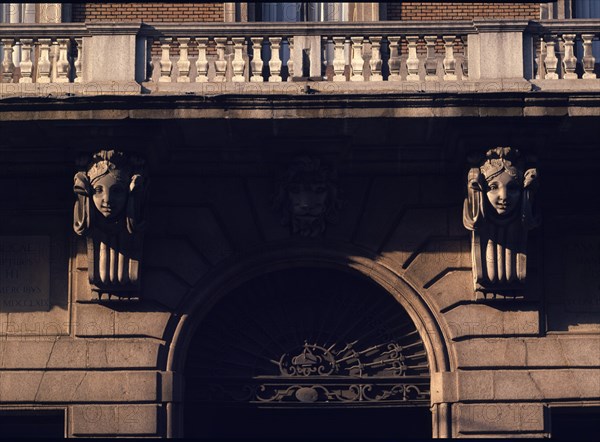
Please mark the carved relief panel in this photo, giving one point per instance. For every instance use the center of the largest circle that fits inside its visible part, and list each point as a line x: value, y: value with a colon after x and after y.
x: 110, y: 211
x: 308, y: 197
x: 500, y: 209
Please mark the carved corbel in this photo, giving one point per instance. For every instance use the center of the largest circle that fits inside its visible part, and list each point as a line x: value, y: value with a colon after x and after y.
x: 500, y: 209
x: 112, y: 192
x: 308, y: 197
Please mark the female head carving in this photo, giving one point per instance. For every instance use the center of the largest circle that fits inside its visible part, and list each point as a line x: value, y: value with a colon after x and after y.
x: 504, y: 179
x: 109, y: 179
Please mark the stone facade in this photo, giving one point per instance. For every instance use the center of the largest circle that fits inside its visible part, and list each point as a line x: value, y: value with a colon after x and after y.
x: 497, y: 367
x: 307, y: 245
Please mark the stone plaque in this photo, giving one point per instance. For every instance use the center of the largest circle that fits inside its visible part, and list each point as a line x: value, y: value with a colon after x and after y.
x: 24, y: 273
x: 582, y: 279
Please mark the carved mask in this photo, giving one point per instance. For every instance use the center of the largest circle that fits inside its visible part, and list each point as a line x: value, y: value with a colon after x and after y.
x: 110, y: 195
x: 308, y: 196
x: 308, y: 202
x: 504, y: 180
x: 109, y: 177
x: 504, y: 193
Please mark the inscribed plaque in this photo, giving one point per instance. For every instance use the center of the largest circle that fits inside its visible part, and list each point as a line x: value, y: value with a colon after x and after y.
x: 24, y: 273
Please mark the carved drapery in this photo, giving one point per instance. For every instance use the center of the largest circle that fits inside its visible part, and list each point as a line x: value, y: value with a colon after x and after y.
x: 500, y: 209
x: 110, y: 212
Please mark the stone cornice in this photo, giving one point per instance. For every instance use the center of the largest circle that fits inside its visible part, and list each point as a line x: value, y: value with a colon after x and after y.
x: 514, y: 104
x: 114, y: 28
x: 500, y: 25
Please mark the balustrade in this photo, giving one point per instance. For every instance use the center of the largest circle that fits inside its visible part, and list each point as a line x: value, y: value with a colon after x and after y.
x: 355, y: 58
x: 245, y: 52
x: 43, y: 60
x: 564, y: 49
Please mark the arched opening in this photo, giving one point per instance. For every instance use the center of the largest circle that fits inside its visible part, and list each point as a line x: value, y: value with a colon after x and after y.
x: 307, y: 352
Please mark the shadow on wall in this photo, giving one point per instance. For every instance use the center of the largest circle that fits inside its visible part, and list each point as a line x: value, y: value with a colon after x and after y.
x: 34, y: 249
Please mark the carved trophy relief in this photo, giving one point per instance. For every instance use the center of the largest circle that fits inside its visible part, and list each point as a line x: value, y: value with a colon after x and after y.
x: 500, y: 209
x: 110, y: 212
x: 308, y: 197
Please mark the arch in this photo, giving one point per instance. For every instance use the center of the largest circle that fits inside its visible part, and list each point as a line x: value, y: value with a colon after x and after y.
x: 231, y: 275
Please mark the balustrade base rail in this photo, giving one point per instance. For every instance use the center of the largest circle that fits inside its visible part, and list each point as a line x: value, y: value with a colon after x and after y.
x: 66, y: 90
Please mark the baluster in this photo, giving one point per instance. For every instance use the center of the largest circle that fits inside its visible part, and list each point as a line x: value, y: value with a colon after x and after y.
x: 536, y: 65
x: 166, y: 65
x: 290, y: 62
x: 53, y: 60
x: 238, y: 62
x: 325, y: 62
x: 541, y: 73
x: 358, y: 62
x: 62, y: 62
x: 77, y: 64
x: 375, y: 62
x: 339, y: 62
x: 26, y: 62
x: 149, y: 61
x: 44, y: 66
x: 202, y: 61
x: 256, y: 64
x: 394, y: 61
x: 570, y: 61
x: 183, y: 64
x: 449, y: 60
x: 551, y: 62
x: 8, y: 67
x: 465, y: 63
x: 430, y: 60
x: 412, y: 62
x: 275, y: 62
x: 220, y: 62
x: 588, y: 60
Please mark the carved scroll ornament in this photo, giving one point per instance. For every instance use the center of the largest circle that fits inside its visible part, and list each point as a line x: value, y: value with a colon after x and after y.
x: 329, y: 375
x: 308, y: 197
x: 500, y: 209
x: 110, y: 212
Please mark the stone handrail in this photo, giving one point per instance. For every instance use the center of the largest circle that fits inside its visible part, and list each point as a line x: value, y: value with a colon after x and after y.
x: 580, y: 25
x: 389, y: 51
x: 420, y: 28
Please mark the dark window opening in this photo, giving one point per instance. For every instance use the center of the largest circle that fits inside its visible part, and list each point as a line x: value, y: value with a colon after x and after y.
x: 575, y: 423
x: 392, y: 423
x: 32, y: 423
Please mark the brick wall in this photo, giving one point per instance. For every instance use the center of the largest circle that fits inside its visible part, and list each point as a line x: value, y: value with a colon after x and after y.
x: 148, y: 12
x: 213, y: 12
x: 408, y: 10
